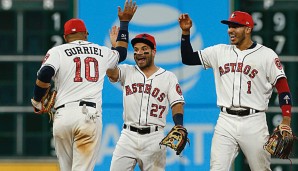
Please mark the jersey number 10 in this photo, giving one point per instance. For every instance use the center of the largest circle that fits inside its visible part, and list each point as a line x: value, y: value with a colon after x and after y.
x: 88, y: 76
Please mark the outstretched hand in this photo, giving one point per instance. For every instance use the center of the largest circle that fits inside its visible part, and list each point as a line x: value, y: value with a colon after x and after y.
x: 129, y: 10
x: 185, y: 23
x: 113, y: 35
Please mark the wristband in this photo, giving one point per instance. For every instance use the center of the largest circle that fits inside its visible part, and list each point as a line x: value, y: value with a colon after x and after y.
x: 39, y: 93
x: 285, y: 99
x: 124, y: 25
x: 122, y: 36
x: 123, y: 32
x: 178, y: 119
x: 185, y: 37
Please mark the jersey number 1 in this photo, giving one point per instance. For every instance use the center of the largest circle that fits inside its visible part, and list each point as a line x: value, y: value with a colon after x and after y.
x: 88, y: 76
x: 248, y: 87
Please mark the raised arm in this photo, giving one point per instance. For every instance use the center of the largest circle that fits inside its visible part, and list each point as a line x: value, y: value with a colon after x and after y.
x: 124, y: 16
x: 189, y: 57
x: 185, y: 23
x: 113, y: 74
x: 113, y: 35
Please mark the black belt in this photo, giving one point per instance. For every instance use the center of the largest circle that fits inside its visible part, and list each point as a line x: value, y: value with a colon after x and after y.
x: 239, y: 112
x: 90, y: 104
x: 141, y: 131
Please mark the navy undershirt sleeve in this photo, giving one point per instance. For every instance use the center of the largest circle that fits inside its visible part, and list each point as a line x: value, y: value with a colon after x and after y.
x: 122, y: 52
x: 189, y: 57
x: 45, y: 74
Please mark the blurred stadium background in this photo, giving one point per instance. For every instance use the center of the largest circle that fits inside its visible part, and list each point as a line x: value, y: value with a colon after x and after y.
x: 30, y: 27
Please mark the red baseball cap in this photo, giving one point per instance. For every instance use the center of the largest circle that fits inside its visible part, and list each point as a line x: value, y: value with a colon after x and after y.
x: 144, y: 38
x: 241, y: 18
x: 74, y: 25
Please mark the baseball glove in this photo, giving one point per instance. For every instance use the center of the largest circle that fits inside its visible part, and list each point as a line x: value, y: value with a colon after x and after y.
x: 280, y: 142
x: 176, y: 139
x: 46, y: 104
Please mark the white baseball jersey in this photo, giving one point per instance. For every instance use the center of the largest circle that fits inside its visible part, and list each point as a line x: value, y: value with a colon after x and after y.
x: 243, y: 78
x: 146, y: 101
x: 80, y: 67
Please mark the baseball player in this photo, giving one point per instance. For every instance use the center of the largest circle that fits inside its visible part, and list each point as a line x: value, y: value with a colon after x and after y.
x: 148, y: 92
x: 78, y: 69
x: 245, y: 74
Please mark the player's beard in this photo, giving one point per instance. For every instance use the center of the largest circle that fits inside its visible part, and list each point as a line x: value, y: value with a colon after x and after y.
x: 148, y: 62
x: 240, y: 39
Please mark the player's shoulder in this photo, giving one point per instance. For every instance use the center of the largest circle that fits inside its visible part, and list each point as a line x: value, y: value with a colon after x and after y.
x: 101, y: 46
x: 59, y: 49
x: 221, y: 47
x: 166, y: 73
x: 55, y: 49
x: 126, y: 67
x: 63, y: 46
x: 266, y: 50
x: 225, y: 46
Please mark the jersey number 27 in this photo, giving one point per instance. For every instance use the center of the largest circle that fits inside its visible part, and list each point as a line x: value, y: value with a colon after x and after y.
x: 155, y: 109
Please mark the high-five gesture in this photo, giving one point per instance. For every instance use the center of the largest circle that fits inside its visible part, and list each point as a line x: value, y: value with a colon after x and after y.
x: 185, y: 23
x: 123, y: 36
x: 129, y: 9
x: 113, y: 35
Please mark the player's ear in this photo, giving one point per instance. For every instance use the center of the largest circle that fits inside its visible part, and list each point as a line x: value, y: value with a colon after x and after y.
x: 86, y: 35
x: 65, y: 38
x: 153, y: 52
x: 248, y: 29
